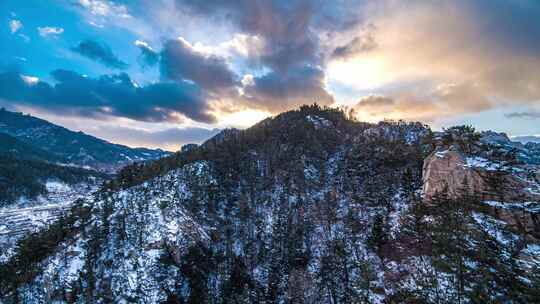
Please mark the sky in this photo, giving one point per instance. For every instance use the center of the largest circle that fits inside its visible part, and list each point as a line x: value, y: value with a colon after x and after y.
x: 164, y: 73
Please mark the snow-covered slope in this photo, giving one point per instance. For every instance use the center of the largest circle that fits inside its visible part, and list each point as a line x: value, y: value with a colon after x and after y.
x: 121, y: 244
x: 305, y: 207
x: 29, y: 216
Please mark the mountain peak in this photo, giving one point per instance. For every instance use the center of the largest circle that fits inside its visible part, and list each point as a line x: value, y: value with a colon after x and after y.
x: 308, y: 205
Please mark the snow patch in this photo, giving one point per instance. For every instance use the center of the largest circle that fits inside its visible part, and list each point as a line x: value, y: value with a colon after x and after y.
x: 318, y: 121
x: 480, y: 162
x: 57, y: 186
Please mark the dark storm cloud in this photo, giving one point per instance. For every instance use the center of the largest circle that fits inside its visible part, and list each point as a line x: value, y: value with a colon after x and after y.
x: 179, y: 61
x: 113, y: 95
x: 99, y: 52
x: 513, y: 24
x: 291, y: 49
x: 284, y: 25
x: 277, y: 90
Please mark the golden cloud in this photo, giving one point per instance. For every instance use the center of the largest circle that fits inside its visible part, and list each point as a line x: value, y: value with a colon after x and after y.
x: 440, y: 59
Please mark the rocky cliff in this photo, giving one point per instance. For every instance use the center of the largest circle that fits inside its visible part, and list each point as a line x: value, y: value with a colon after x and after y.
x: 448, y: 171
x: 508, y: 188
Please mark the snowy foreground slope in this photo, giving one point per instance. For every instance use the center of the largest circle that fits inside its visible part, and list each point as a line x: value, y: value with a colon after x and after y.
x: 27, y: 216
x: 120, y: 239
x: 305, y: 207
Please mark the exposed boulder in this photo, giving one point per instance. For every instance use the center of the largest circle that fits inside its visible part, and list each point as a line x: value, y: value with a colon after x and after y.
x: 447, y: 170
x: 506, y: 193
x: 457, y: 173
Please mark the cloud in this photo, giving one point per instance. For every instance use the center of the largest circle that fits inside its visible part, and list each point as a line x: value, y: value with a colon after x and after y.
x: 180, y: 61
x: 108, y: 95
x: 105, y: 8
x: 24, y: 37
x: 15, y: 25
x: 99, y: 52
x: 362, y: 43
x: 276, y: 92
x: 284, y: 25
x: 277, y: 41
x: 376, y: 107
x: 445, y: 100
x: 286, y: 47
x: 524, y: 115
x: 475, y: 57
x: 171, y: 139
x: 50, y: 30
x: 149, y: 57
x: 273, y: 91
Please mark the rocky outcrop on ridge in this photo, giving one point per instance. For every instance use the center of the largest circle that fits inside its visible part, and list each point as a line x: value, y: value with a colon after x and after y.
x: 508, y: 190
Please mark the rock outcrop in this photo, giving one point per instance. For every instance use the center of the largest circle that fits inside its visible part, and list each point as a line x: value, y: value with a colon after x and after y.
x: 514, y: 199
x: 456, y: 173
x: 448, y: 171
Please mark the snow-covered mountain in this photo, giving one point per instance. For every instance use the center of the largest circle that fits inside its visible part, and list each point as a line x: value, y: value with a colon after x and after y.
x: 305, y: 207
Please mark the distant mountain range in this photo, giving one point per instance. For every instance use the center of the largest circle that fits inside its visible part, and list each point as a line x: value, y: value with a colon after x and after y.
x: 526, y: 139
x: 37, y: 138
x: 36, y: 156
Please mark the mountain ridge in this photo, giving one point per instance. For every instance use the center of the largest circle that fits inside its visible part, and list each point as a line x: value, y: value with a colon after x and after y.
x: 70, y: 147
x: 309, y: 206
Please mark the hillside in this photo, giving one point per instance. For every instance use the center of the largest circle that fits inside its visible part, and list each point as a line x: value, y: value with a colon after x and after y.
x: 309, y: 206
x: 10, y: 146
x: 69, y: 147
x: 23, y: 180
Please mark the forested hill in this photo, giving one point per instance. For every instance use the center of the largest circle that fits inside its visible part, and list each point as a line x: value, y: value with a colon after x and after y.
x: 11, y: 146
x: 309, y: 132
x: 309, y: 206
x: 69, y: 147
x: 28, y: 173
x: 36, y: 155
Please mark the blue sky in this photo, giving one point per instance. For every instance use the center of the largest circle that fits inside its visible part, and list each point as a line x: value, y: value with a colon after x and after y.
x: 167, y: 72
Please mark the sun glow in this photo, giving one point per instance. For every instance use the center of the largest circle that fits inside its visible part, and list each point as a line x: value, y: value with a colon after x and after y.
x: 243, y: 119
x: 361, y: 72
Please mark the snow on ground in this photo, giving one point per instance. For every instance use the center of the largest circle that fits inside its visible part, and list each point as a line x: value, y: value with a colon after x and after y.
x: 480, y: 162
x: 19, y: 222
x: 494, y: 228
x: 318, y: 121
x: 530, y: 257
x: 30, y: 216
x: 400, y: 207
x: 54, y: 186
x: 441, y: 154
x: 532, y: 207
